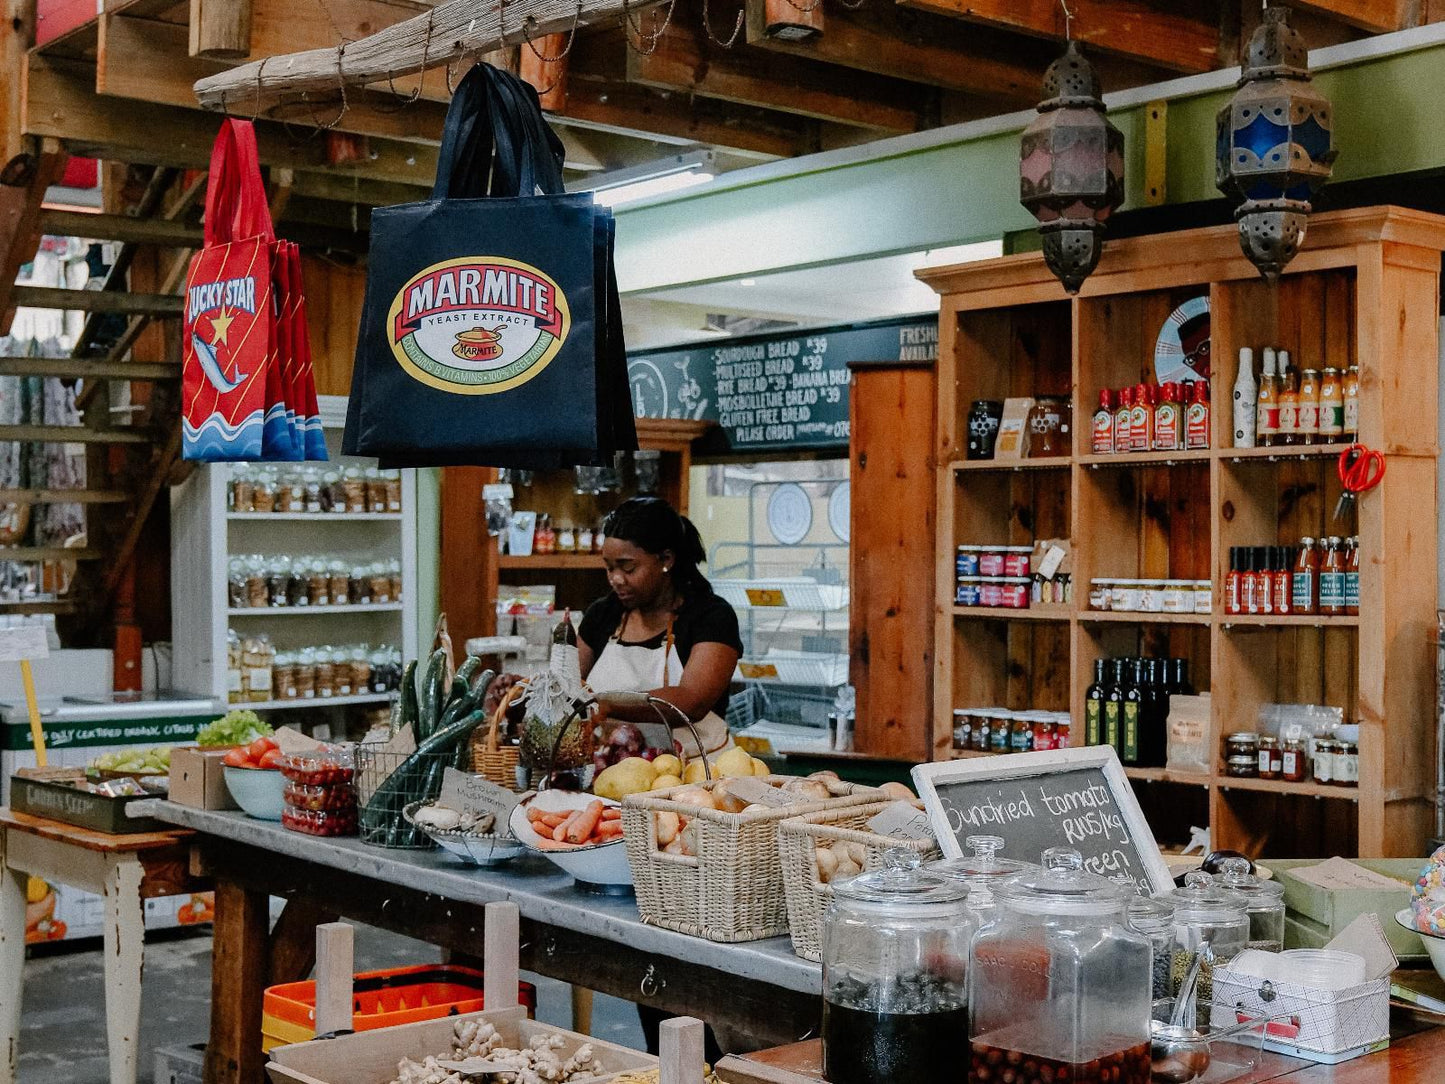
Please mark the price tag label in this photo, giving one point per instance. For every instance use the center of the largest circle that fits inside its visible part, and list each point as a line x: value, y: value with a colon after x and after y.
x: 755, y: 670
x: 901, y: 820
x: 23, y: 642
x: 757, y: 792
x: 759, y: 596
x: 475, y: 795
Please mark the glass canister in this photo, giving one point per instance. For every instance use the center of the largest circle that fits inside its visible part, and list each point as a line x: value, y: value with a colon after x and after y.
x: 980, y: 872
x: 895, y: 969
x: 1059, y: 985
x: 1263, y: 903
x: 1154, y: 919
x: 1208, y: 922
x: 1049, y: 427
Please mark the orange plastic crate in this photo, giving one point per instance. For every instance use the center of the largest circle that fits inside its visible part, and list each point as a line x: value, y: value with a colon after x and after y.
x: 381, y: 999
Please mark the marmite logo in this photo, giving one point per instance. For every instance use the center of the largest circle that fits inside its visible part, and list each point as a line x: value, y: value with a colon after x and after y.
x: 478, y: 325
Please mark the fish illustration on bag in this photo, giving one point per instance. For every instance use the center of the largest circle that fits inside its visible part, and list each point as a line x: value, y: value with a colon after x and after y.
x: 211, y: 366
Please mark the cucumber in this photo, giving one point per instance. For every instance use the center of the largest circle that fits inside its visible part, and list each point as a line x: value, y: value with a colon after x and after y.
x: 433, y: 690
x: 409, y: 706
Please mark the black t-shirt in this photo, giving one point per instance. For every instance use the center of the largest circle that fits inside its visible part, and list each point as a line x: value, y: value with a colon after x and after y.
x: 702, y: 619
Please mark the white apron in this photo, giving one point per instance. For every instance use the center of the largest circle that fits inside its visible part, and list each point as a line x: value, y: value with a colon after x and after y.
x: 634, y: 669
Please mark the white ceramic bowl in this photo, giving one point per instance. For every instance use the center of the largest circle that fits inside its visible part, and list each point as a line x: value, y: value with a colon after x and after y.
x: 490, y: 850
x: 258, y: 791
x: 1434, y: 943
x: 600, y: 867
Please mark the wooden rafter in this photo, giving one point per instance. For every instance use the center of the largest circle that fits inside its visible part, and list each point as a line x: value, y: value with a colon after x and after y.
x: 453, y: 30
x: 1376, y: 16
x: 1154, y: 33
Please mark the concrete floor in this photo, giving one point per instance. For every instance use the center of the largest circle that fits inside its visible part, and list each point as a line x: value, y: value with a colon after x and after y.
x: 63, y: 1020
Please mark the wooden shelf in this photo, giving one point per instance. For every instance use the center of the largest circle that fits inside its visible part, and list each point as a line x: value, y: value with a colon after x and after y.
x: 1004, y: 613
x: 1056, y: 462
x: 1285, y: 621
x: 1131, y: 617
x: 53, y: 606
x: 1164, y: 775
x: 314, y: 611
x: 1146, y: 459
x: 315, y: 702
x: 559, y: 561
x: 1290, y: 452
x: 317, y: 517
x: 1279, y: 786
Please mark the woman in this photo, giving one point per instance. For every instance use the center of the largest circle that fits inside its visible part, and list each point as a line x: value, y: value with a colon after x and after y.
x: 661, y: 630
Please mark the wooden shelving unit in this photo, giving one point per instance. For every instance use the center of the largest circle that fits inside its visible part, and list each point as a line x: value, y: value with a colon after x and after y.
x: 1364, y: 291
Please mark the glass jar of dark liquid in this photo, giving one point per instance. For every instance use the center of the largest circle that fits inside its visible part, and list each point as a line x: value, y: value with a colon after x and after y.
x: 983, y: 419
x: 895, y: 969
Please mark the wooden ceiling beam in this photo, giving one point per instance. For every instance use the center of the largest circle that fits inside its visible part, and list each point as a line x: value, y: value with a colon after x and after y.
x: 686, y: 61
x: 1376, y: 16
x: 1180, y: 41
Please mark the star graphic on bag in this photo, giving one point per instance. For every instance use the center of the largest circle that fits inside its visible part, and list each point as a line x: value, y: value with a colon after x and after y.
x: 221, y: 327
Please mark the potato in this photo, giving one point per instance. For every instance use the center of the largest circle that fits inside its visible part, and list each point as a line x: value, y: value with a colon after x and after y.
x: 666, y: 782
x: 857, y: 853
x: 824, y: 774
x: 897, y: 790
x: 722, y: 795
x: 668, y: 826
x: 689, y: 838
x: 675, y: 847
x: 808, y: 790
x: 827, y: 864
x: 697, y: 796
x: 846, y: 868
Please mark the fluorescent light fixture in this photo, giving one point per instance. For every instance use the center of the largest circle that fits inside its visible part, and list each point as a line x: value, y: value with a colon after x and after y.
x: 653, y: 179
x: 747, y: 282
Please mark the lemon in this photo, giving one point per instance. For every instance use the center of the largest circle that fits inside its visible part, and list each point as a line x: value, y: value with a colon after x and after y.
x: 36, y: 890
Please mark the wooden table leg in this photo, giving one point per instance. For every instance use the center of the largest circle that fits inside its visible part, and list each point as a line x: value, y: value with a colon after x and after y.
x: 238, y: 975
x: 12, y: 963
x: 124, y: 940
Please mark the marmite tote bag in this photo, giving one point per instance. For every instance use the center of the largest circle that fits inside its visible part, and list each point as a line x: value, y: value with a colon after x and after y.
x: 229, y: 319
x: 479, y: 331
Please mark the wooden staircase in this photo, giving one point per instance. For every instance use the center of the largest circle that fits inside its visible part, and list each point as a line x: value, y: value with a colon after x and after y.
x: 128, y: 467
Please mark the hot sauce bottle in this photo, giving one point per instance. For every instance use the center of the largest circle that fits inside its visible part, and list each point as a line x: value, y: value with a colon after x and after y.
x: 1264, y: 557
x: 1288, y: 402
x: 1332, y: 578
x: 1196, y: 415
x: 1282, y: 585
x: 1123, y: 421
x: 1141, y: 419
x: 1232, y: 584
x: 1305, y: 584
x: 1103, y: 438
x: 1248, y: 600
x: 1167, y: 418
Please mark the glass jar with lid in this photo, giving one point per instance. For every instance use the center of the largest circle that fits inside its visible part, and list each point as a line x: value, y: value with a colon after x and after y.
x: 1059, y: 985
x: 1208, y: 922
x: 1263, y: 903
x: 895, y: 970
x: 980, y: 872
x: 1154, y: 918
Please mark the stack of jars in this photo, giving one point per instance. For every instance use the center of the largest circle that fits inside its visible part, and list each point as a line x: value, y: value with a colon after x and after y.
x: 998, y: 730
x: 313, y: 490
x: 310, y: 580
x: 320, y: 792
x: 1165, y: 417
x: 994, y: 576
x: 325, y: 672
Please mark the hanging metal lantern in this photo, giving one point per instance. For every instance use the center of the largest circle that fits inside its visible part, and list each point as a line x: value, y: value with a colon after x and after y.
x: 1071, y: 168
x: 1275, y: 145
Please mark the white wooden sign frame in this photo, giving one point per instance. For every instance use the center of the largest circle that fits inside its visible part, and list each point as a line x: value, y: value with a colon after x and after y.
x: 1004, y: 768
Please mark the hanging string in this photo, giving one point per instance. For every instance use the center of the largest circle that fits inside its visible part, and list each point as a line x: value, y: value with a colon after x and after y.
x: 1069, y: 21
x: 530, y: 22
x: 653, y: 38
x: 403, y: 102
x: 737, y: 27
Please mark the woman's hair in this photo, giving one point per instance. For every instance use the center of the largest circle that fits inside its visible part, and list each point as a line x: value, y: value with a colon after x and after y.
x: 651, y: 524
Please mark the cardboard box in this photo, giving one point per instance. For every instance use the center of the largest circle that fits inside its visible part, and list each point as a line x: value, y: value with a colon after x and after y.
x: 197, y: 779
x: 1315, y: 914
x: 370, y: 1057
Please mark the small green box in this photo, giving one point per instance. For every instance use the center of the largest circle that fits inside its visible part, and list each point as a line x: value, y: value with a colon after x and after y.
x: 58, y: 801
x: 1314, y: 915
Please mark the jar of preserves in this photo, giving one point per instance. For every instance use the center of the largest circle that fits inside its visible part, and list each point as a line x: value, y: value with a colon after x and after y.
x: 1058, y: 929
x: 1014, y: 593
x: 1347, y: 765
x: 1293, y: 756
x: 1017, y: 560
x: 990, y: 560
x: 1270, y: 760
x: 1242, y: 766
x: 961, y: 727
x: 1000, y: 734
x: 1322, y: 760
x: 1049, y: 427
x: 980, y: 738
x: 895, y: 974
x: 1021, y: 733
x: 1045, y: 730
x: 965, y: 561
x: 1243, y: 743
x: 968, y: 591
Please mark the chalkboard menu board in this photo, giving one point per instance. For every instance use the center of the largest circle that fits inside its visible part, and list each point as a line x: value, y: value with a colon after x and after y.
x: 773, y: 391
x: 1076, y: 798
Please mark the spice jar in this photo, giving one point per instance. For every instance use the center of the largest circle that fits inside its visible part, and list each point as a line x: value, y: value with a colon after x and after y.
x: 1153, y: 918
x: 318, y: 583
x: 980, y: 872
x: 375, y: 491
x: 1263, y: 903
x: 311, y: 482
x: 278, y: 580
x: 263, y: 492
x: 333, y: 492
x: 895, y: 974
x: 1293, y: 767
x: 1271, y: 760
x: 1207, y: 921
x: 380, y: 584
x: 243, y: 491
x: 325, y: 673
x: 340, y: 585
x: 358, y: 587
x: 1058, y: 929
x: 983, y: 419
x: 304, y: 673
x: 353, y: 485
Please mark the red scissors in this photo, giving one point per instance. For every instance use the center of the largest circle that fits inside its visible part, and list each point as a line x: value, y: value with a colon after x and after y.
x: 1360, y: 470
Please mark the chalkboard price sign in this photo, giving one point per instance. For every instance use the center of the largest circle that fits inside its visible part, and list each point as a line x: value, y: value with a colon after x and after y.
x: 1076, y: 798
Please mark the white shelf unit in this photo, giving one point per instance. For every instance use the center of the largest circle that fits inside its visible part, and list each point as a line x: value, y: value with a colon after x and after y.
x: 204, y: 536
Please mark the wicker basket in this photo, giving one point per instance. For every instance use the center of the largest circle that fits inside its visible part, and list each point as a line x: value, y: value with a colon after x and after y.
x: 495, y: 762
x: 731, y: 890
x: 798, y: 839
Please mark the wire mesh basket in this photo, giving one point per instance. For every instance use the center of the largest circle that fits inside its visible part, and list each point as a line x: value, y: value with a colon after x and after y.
x: 387, y: 781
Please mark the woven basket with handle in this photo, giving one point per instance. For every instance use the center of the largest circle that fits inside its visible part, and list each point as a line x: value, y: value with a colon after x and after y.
x: 495, y: 762
x: 732, y: 888
x: 798, y: 841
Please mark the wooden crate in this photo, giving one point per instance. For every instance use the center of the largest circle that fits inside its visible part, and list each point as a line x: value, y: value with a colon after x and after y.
x: 1365, y: 290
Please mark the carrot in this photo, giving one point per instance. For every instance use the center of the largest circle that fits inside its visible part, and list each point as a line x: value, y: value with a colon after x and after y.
x: 545, y: 844
x: 584, y: 824
x: 535, y: 814
x: 560, y: 832
x: 612, y: 813
x: 608, y: 830
x: 551, y: 820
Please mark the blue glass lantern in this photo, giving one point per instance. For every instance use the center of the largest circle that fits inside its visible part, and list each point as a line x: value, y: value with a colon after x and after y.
x: 1275, y: 145
x: 1071, y: 168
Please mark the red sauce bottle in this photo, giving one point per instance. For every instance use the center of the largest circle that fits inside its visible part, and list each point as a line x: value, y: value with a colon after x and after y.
x: 1141, y: 420
x: 1196, y: 415
x: 1232, y: 583
x: 1103, y: 438
x: 1123, y: 424
x: 1282, y: 585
